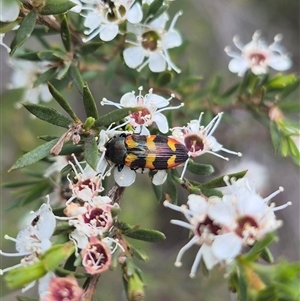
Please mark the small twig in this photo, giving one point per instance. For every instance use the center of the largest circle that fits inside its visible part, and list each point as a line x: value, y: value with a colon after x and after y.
x: 89, y: 292
x: 116, y: 193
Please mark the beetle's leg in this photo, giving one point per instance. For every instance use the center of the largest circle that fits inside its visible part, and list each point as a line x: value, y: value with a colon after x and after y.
x: 120, y: 167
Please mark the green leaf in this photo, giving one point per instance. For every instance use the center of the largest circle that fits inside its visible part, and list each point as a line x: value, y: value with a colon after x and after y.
x: 259, y: 246
x: 91, y: 151
x: 62, y: 102
x: 154, y: 6
x: 51, y: 55
x: 158, y: 191
x: 171, y: 188
x: 19, y: 183
x: 35, y: 155
x: 65, y: 33
x: 26, y: 299
x: 139, y: 253
x: 114, y: 116
x: 22, y: 276
x: 266, y: 255
x: 24, y: 31
x: 56, y: 7
x: 48, y: 114
x: 29, y: 56
x: 35, y: 192
x: 89, y: 48
x: 89, y: 103
x: 44, y: 77
x: 279, y: 82
x: 63, y: 71
x: 200, y: 169
x: 164, y: 78
x: 149, y: 235
x: 275, y: 136
x: 219, y: 182
x: 76, y: 78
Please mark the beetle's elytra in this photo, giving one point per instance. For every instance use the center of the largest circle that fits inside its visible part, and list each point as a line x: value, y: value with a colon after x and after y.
x: 155, y: 152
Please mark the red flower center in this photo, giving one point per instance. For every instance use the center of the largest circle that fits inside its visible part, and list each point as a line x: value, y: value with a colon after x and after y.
x: 141, y: 116
x: 194, y: 143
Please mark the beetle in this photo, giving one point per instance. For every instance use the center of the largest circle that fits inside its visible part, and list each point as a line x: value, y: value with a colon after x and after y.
x: 155, y: 152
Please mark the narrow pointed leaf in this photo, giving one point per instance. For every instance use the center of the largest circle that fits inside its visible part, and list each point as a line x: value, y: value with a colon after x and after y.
x: 44, y: 77
x: 260, y: 246
x: 76, y: 78
x: 24, y: 31
x: 48, y: 114
x: 63, y: 103
x: 51, y: 55
x: 138, y: 253
x: 89, y: 48
x: 56, y: 7
x: 171, y: 188
x: 147, y: 235
x: 154, y: 6
x: 91, y: 151
x: 65, y: 33
x: 200, y: 169
x: 219, y: 182
x: 63, y: 71
x: 89, y: 103
x: 26, y: 299
x: 30, y: 56
x: 114, y: 116
x: 35, y: 155
x: 158, y: 191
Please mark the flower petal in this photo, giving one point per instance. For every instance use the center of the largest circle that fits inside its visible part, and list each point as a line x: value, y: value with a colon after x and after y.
x: 135, y: 14
x: 109, y: 32
x: 159, y: 178
x: 161, y: 122
x: 133, y: 56
x: 227, y: 246
x: 157, y: 62
x: 124, y: 178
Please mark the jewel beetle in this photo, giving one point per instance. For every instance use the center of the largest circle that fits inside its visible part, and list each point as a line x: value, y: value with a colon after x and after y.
x: 155, y: 152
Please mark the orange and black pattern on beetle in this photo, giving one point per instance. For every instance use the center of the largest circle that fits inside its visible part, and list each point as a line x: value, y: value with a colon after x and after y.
x: 154, y: 152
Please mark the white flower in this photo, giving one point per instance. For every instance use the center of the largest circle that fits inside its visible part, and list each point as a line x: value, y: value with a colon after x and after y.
x: 258, y: 56
x: 205, y: 230
x: 86, y: 184
x: 24, y: 75
x: 152, y: 44
x: 90, y: 220
x: 199, y: 140
x: 9, y: 11
x: 33, y: 240
x: 104, y: 17
x: 245, y: 214
x: 223, y: 226
x: 150, y: 107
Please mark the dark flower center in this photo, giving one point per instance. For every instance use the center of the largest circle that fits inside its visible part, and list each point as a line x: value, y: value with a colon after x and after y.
x: 194, y: 143
x: 140, y: 116
x: 245, y: 223
x: 96, y: 217
x: 150, y: 39
x: 257, y: 58
x: 208, y: 226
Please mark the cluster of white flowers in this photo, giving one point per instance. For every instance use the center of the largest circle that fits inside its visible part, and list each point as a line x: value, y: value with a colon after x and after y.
x: 223, y: 226
x: 104, y: 18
